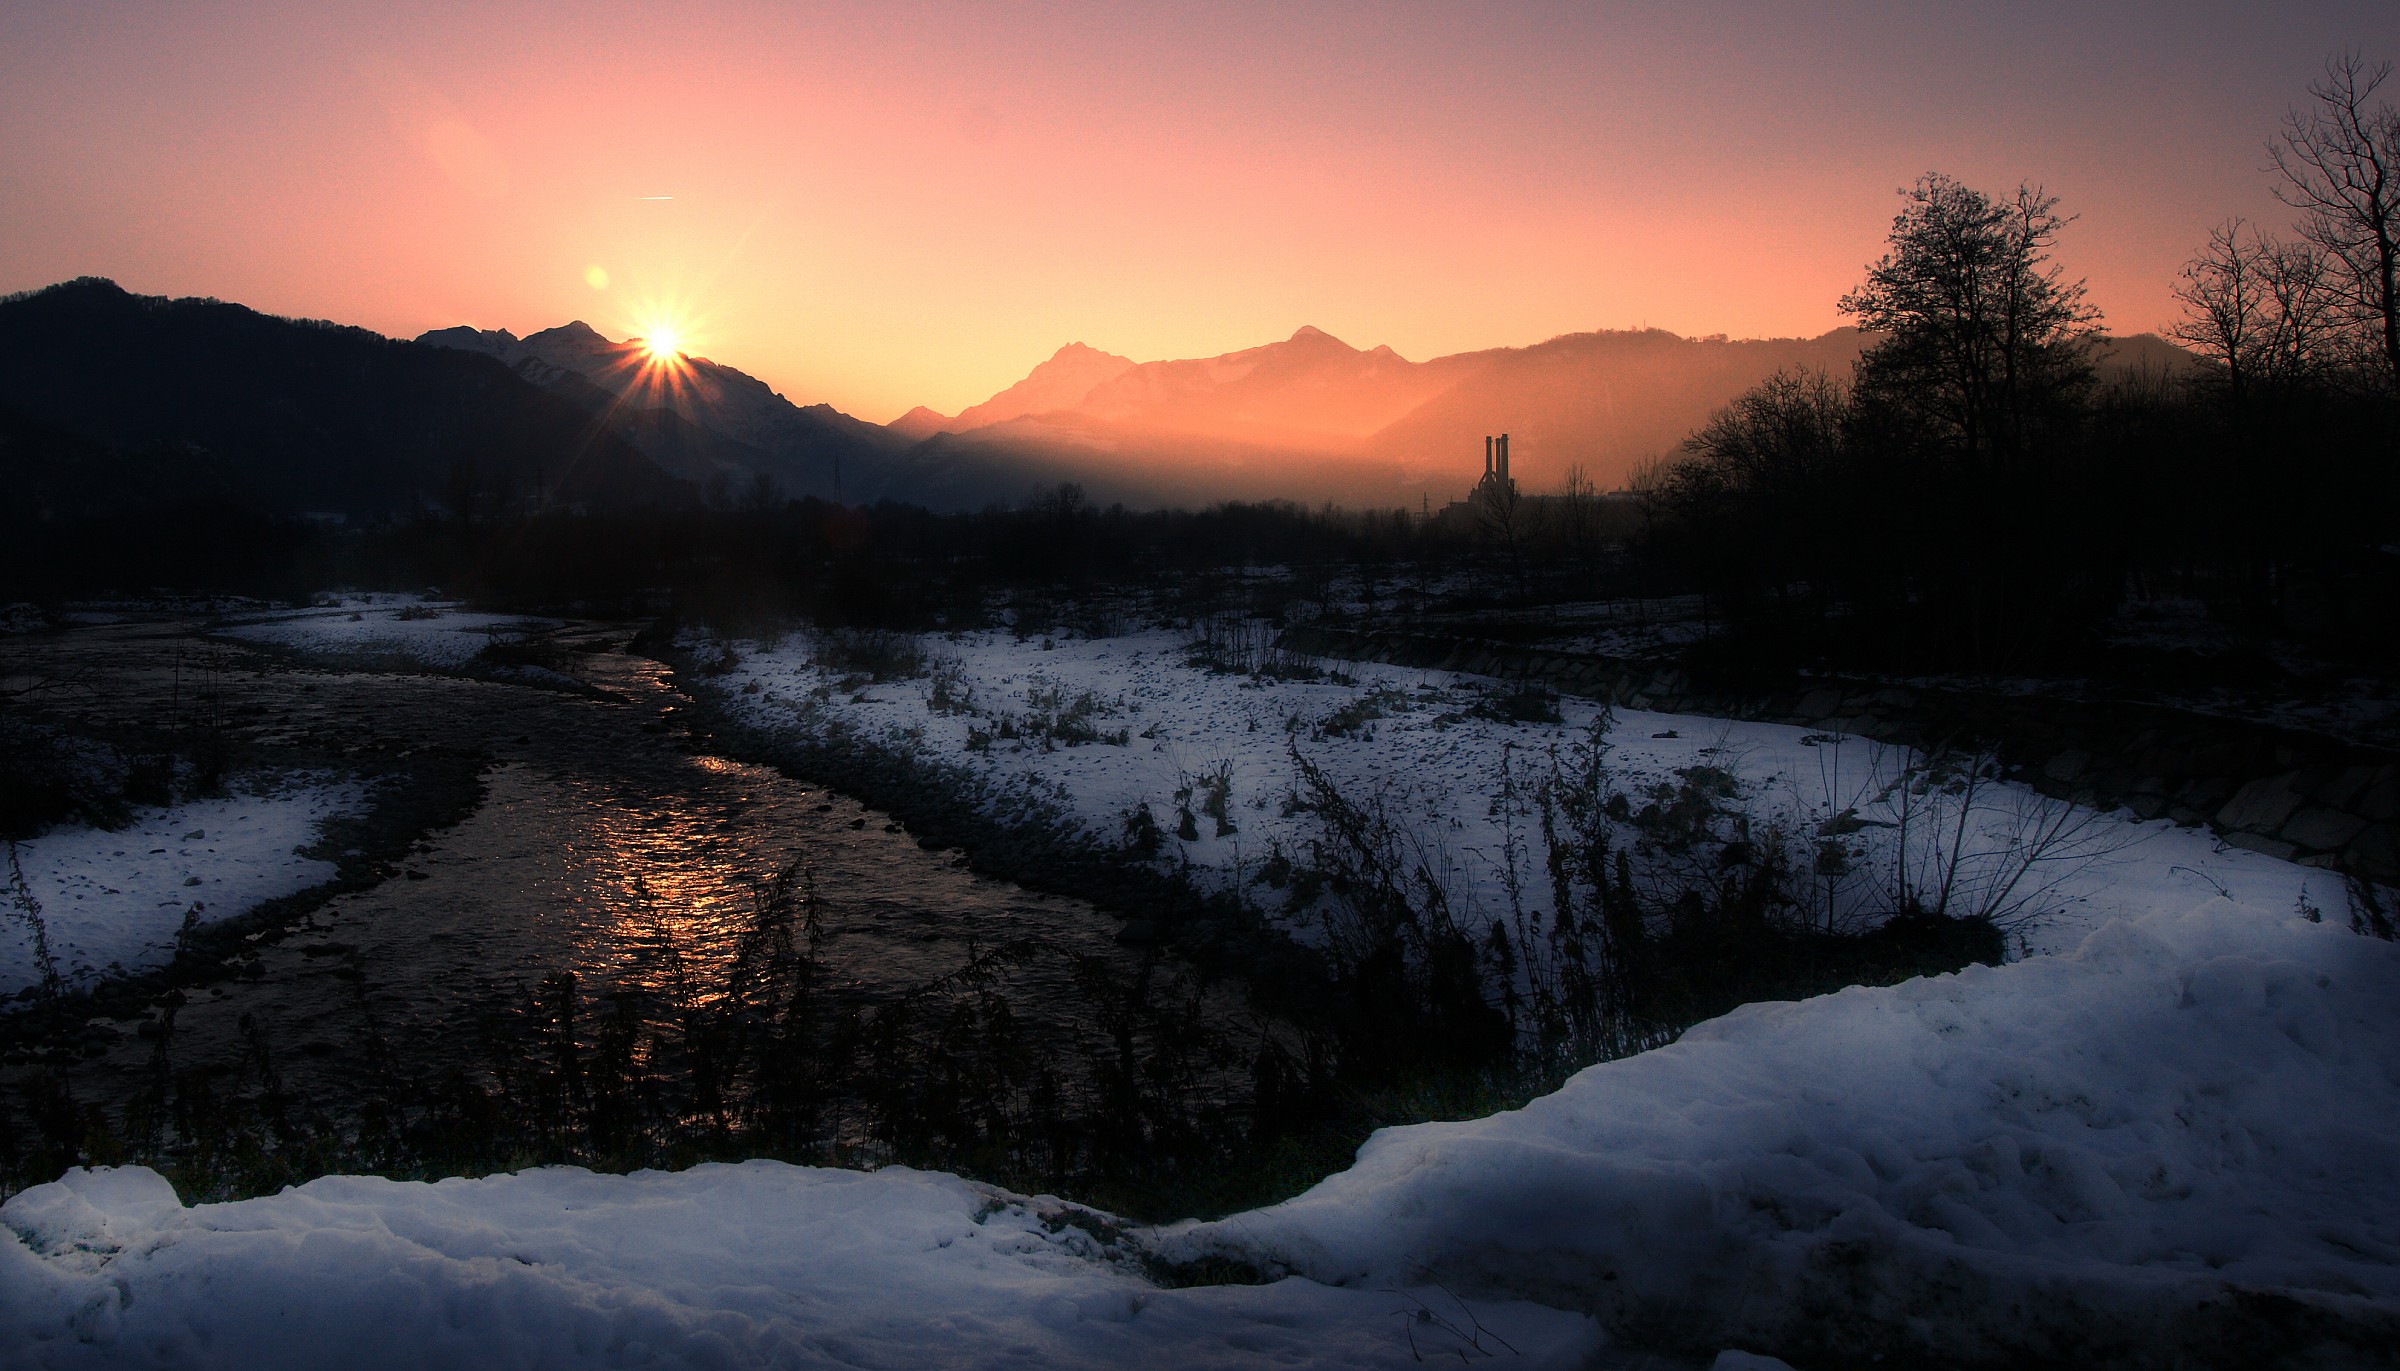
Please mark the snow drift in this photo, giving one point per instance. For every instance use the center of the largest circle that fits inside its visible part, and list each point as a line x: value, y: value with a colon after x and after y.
x: 759, y: 1264
x: 2179, y: 1145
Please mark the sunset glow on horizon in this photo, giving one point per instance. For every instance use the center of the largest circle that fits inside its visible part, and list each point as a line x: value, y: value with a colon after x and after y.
x: 880, y: 207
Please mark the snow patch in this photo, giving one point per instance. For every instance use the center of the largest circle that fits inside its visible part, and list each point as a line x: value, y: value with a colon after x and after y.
x: 112, y: 901
x: 434, y: 633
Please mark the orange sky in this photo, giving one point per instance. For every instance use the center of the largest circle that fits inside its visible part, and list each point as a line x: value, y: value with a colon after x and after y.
x: 884, y: 205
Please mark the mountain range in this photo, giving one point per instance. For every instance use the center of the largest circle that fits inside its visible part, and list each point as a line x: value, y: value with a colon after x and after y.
x: 1308, y: 418
x: 1312, y: 417
x: 316, y: 417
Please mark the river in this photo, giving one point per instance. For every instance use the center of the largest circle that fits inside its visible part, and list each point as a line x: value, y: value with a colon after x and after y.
x: 601, y: 837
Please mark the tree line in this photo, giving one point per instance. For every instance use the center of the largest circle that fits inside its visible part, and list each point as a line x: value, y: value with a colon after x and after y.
x: 1977, y: 496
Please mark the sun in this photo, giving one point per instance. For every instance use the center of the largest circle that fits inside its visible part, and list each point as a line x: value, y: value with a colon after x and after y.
x: 664, y: 343
x: 661, y: 331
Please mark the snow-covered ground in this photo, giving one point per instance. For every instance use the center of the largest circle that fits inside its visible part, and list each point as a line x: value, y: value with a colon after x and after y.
x: 2166, y: 1133
x: 435, y: 633
x: 757, y: 1265
x: 1426, y: 743
x: 113, y: 900
x: 2177, y: 1145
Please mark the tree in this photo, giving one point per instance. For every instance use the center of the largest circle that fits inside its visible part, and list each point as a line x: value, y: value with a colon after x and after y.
x: 2262, y: 309
x: 1778, y: 439
x: 1507, y: 522
x: 1981, y: 335
x: 1764, y: 489
x: 2340, y: 160
x: 1579, y: 509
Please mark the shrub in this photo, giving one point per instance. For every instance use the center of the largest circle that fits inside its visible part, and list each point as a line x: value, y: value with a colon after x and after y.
x: 1524, y: 702
x: 879, y: 654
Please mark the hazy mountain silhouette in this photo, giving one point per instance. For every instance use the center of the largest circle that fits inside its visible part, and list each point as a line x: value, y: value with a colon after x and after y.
x: 919, y: 423
x: 1314, y: 418
x: 1310, y: 390
x: 306, y: 416
x: 1608, y: 401
x: 2144, y: 355
x: 1070, y: 374
x: 799, y: 449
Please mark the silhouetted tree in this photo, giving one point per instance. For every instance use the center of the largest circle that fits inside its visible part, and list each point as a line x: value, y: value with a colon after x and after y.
x: 2340, y: 159
x: 1981, y: 333
x: 1578, y: 510
x: 2262, y: 309
x: 1506, y: 521
x: 1762, y: 494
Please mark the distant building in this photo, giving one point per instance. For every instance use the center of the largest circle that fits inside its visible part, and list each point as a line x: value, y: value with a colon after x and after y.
x: 1496, y: 479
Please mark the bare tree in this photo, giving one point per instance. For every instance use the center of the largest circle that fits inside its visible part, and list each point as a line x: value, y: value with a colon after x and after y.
x: 2305, y: 338
x: 2263, y: 309
x: 2340, y: 159
x: 2223, y: 291
x: 1507, y: 522
x: 1578, y: 507
x: 1780, y: 438
x: 1981, y: 332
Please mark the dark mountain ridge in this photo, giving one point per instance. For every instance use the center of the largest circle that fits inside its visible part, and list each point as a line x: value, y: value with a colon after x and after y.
x: 797, y: 450
x: 308, y: 417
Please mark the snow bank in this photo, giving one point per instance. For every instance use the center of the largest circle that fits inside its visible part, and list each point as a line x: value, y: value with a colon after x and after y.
x: 2182, y: 1141
x: 1417, y: 738
x: 113, y: 900
x: 1181, y: 725
x: 431, y: 633
x: 759, y: 1264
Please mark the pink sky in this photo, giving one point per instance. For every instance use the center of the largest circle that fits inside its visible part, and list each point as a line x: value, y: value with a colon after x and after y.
x: 885, y: 205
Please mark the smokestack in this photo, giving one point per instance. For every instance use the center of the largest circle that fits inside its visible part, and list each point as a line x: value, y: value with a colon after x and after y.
x: 1503, y: 456
x: 1487, y: 454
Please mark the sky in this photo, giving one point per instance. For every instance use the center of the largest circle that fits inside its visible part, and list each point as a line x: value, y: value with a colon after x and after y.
x: 880, y: 205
